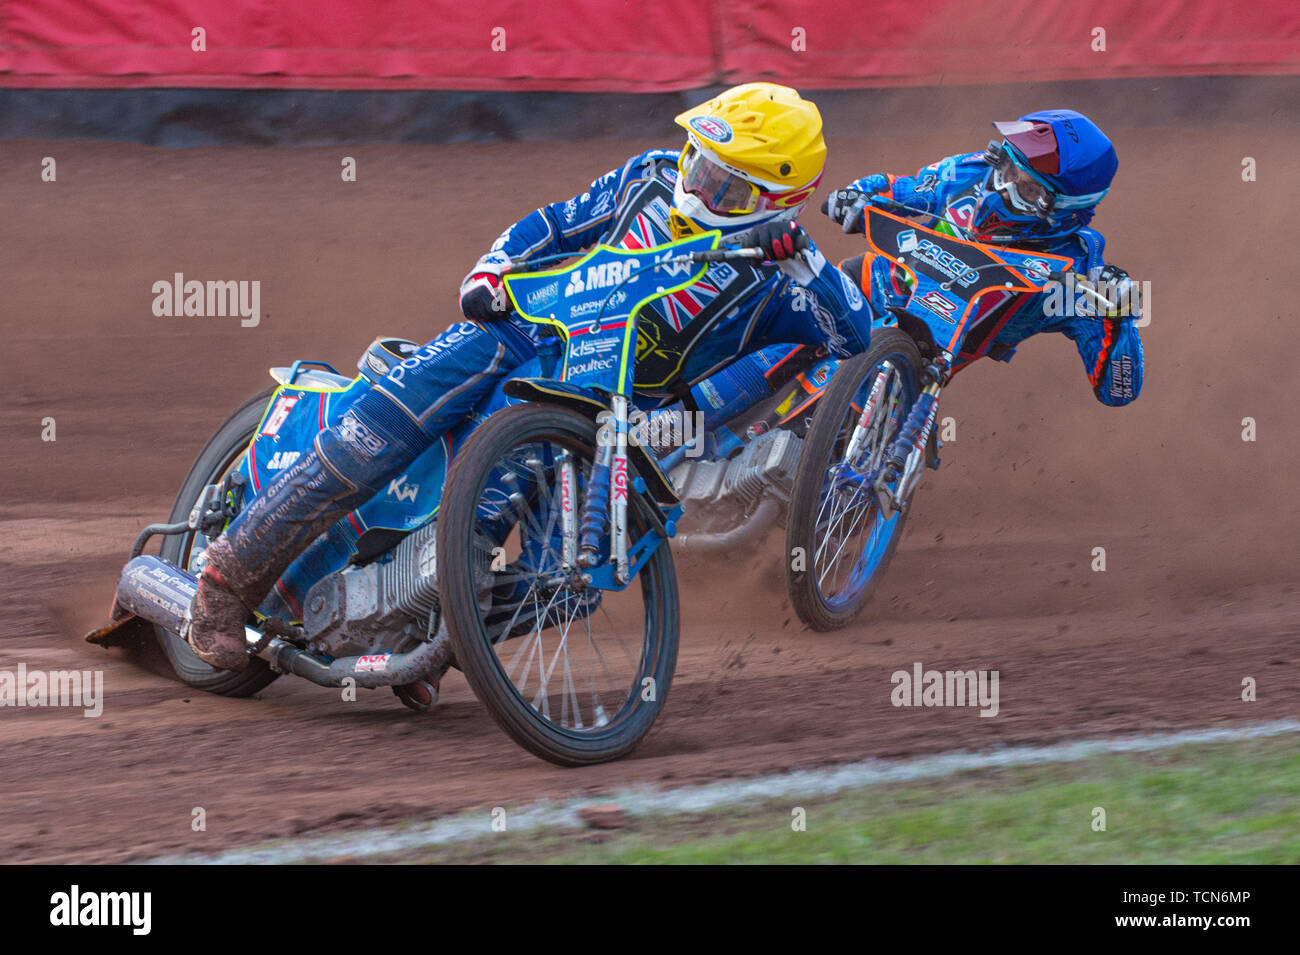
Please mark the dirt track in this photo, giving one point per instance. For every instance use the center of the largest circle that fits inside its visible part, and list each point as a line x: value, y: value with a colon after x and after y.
x: 1198, y: 526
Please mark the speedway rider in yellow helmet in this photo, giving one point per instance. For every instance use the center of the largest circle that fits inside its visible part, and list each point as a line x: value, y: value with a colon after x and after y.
x: 753, y: 157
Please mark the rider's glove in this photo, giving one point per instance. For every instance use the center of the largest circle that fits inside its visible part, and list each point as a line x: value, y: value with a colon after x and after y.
x: 482, y: 296
x: 780, y: 240
x: 847, y: 206
x: 1114, y: 283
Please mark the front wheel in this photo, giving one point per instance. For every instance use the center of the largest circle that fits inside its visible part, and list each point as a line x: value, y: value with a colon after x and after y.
x: 573, y: 673
x: 838, y: 542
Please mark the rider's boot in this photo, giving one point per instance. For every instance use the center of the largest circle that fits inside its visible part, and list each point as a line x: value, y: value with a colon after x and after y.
x: 418, y: 401
x: 348, y: 464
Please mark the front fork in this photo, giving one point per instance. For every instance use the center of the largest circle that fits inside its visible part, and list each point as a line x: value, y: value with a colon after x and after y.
x: 607, y: 494
x: 568, y: 512
x: 866, y: 420
x: 903, y: 463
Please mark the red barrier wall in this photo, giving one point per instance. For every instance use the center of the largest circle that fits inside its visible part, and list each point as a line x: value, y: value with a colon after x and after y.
x: 602, y: 45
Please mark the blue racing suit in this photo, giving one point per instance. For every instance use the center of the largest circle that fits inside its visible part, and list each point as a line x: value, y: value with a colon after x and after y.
x: 948, y: 190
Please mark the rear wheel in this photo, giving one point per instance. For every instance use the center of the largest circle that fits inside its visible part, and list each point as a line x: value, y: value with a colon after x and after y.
x: 224, y: 452
x: 575, y: 674
x: 838, y: 542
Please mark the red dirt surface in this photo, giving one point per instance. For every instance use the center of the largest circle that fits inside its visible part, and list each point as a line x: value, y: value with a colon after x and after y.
x: 995, y: 571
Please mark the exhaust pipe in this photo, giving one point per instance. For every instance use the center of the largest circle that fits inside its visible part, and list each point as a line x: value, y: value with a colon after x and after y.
x: 763, y: 517
x: 160, y: 592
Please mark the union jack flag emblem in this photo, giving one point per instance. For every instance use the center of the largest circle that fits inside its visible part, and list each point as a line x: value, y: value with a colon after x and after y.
x: 681, y: 307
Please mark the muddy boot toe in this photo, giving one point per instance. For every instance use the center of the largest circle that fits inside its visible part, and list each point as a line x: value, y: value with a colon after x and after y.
x: 216, y: 631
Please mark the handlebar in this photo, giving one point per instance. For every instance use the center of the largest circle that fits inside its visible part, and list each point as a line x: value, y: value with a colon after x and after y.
x: 722, y: 255
x: 1084, y: 284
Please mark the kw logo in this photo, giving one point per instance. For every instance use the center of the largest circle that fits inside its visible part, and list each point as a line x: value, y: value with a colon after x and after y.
x: 282, y: 459
x: 399, y: 489
x: 667, y: 267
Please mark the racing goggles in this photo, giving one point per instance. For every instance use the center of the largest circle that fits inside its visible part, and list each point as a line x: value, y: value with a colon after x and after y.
x: 1025, y: 192
x: 721, y: 190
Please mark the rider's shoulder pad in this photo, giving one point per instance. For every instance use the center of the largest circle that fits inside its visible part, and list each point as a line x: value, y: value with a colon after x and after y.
x: 652, y: 160
x: 961, y: 169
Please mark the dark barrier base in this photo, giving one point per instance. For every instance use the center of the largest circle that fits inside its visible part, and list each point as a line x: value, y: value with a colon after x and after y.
x: 204, y: 117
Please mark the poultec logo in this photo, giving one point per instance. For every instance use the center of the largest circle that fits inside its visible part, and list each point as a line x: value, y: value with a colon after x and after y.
x: 599, y: 356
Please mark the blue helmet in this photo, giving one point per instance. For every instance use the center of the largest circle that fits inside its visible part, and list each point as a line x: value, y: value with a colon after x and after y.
x: 1048, y: 174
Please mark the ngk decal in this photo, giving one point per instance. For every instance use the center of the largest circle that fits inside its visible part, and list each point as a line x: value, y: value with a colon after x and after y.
x: 566, y: 491
x: 924, y: 434
x: 620, y: 478
x: 279, y: 412
x: 374, y: 663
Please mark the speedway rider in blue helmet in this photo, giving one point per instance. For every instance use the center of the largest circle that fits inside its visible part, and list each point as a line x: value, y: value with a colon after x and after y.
x: 754, y: 156
x: 1036, y: 189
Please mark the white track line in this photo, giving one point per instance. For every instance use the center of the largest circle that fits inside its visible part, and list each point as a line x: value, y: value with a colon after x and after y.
x: 643, y: 802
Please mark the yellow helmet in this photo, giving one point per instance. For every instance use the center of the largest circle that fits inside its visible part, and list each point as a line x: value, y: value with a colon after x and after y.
x: 753, y: 153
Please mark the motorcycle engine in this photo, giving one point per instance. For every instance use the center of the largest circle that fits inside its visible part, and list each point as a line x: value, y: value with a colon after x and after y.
x: 387, y: 604
x: 721, y: 495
